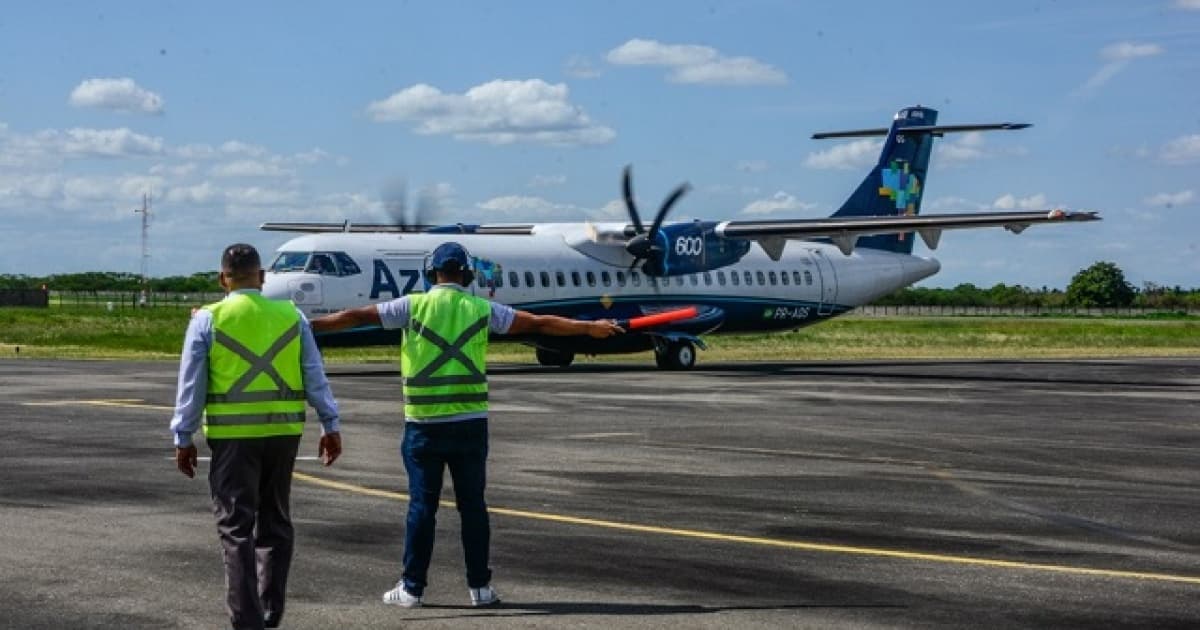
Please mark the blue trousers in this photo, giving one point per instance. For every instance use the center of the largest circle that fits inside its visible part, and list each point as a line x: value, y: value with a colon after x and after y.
x: 427, y: 450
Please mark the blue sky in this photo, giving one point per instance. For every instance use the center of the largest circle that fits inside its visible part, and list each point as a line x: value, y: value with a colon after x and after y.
x: 231, y: 114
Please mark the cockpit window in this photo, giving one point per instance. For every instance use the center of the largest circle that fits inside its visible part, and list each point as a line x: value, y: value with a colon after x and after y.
x: 322, y: 264
x: 349, y: 267
x: 290, y: 261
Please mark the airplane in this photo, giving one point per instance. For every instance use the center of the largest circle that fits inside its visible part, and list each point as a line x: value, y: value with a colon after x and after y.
x: 802, y: 272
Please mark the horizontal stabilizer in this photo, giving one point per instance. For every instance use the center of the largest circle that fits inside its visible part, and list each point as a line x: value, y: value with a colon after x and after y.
x: 936, y: 130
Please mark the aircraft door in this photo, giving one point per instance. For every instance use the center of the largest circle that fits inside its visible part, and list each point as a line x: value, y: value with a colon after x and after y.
x: 827, y: 276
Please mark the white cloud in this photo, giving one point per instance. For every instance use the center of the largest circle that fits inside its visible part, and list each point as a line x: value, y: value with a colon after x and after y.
x: 752, y: 166
x: 1170, y: 200
x: 954, y: 204
x: 690, y: 63
x: 1187, y: 5
x: 1124, y: 51
x: 1181, y: 150
x: 498, y: 112
x: 100, y: 142
x: 1118, y: 56
x: 779, y: 202
x: 199, y: 194
x: 518, y: 207
x: 122, y: 95
x: 249, y: 168
x: 546, y: 181
x: 1010, y: 202
x: 580, y: 67
x: 177, y: 170
x: 848, y: 155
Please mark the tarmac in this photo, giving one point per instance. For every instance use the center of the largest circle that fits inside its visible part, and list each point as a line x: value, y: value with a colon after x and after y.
x: 885, y: 494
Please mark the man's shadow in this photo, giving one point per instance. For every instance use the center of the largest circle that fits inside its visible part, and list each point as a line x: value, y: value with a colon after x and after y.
x: 521, y: 609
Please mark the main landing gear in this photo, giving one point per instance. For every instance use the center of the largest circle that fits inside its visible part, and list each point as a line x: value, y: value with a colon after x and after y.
x: 554, y: 358
x: 678, y: 354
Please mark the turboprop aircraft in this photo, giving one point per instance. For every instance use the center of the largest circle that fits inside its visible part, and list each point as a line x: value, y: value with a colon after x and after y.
x: 802, y: 271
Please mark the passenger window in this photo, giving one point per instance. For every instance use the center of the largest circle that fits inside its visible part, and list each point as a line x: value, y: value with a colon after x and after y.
x: 560, y: 278
x: 733, y: 278
x: 762, y: 282
x: 545, y: 278
x: 693, y: 279
x: 498, y: 277
x: 635, y: 278
x: 721, y: 278
x: 605, y: 279
x: 783, y: 278
x: 707, y: 279
x: 591, y: 278
x: 678, y: 281
x: 771, y: 277
x: 575, y: 278
x: 749, y: 277
x: 529, y: 279
x: 807, y: 277
x: 514, y: 279
x: 796, y: 278
x: 620, y: 278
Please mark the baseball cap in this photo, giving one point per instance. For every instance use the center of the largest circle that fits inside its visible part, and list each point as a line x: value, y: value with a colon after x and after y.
x: 450, y: 255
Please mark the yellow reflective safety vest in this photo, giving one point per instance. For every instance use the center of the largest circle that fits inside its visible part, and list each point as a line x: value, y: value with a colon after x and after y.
x: 255, y: 380
x: 443, y: 356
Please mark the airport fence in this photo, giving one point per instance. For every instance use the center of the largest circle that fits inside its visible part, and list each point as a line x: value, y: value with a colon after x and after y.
x: 1015, y: 311
x: 112, y: 300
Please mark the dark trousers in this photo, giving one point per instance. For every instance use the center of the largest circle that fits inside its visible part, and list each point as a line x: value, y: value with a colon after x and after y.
x: 251, y: 481
x: 427, y: 450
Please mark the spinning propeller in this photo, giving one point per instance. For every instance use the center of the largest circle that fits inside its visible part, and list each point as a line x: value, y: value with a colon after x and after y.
x: 395, y: 203
x: 644, y: 244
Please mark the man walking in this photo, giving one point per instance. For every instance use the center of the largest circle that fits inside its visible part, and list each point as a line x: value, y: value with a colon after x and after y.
x: 248, y: 365
x: 443, y: 362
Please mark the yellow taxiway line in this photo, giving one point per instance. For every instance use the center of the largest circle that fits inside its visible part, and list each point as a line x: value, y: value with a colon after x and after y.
x: 772, y: 542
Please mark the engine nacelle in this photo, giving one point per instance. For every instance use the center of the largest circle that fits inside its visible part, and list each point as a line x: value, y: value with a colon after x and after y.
x: 692, y: 247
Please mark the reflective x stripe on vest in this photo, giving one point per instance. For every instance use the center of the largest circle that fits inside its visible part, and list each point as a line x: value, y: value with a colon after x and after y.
x: 444, y: 377
x: 253, y: 395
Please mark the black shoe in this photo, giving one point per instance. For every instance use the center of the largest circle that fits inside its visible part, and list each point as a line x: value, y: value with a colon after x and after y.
x: 271, y: 619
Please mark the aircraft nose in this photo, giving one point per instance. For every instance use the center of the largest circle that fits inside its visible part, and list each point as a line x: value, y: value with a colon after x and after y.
x: 275, y: 288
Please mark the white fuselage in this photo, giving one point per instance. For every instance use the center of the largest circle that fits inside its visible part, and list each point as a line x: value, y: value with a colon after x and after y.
x: 545, y: 272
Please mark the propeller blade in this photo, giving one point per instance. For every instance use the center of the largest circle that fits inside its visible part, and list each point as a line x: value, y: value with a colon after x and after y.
x: 627, y: 189
x: 666, y: 207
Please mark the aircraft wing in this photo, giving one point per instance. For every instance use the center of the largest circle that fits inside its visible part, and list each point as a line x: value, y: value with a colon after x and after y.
x: 845, y: 231
x: 346, y: 226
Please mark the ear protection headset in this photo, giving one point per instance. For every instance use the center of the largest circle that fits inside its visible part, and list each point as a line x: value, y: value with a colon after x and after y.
x: 468, y: 274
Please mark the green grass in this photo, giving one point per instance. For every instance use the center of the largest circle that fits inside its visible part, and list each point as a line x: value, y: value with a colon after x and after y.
x: 158, y: 333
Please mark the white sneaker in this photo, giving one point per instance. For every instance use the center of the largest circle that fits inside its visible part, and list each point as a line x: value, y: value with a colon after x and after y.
x: 484, y: 596
x: 400, y: 596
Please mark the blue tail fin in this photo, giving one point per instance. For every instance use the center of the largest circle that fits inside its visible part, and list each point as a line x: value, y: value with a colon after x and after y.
x: 895, y: 186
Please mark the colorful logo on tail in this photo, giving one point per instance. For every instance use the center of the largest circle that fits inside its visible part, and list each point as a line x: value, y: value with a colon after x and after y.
x: 902, y: 187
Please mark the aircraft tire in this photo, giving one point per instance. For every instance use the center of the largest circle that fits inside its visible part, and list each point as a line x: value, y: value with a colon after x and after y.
x: 678, y: 355
x: 551, y: 358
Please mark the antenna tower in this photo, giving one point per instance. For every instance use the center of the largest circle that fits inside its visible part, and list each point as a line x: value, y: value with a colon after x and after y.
x: 145, y: 262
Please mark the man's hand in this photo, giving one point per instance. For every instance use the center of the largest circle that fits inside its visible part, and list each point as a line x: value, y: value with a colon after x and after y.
x: 604, y: 328
x: 329, y: 448
x: 185, y: 460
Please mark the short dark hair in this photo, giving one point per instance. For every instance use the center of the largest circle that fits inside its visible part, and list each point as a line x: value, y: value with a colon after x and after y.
x: 240, y: 260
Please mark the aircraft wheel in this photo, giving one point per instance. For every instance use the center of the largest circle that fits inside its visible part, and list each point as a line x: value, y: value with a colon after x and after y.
x: 551, y: 358
x: 678, y: 355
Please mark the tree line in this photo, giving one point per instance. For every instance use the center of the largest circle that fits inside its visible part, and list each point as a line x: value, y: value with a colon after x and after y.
x: 1101, y: 285
x: 95, y: 281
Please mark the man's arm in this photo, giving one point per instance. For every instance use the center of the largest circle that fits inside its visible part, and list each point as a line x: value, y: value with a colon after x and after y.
x: 349, y: 318
x: 319, y: 395
x: 191, y: 390
x: 553, y: 325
